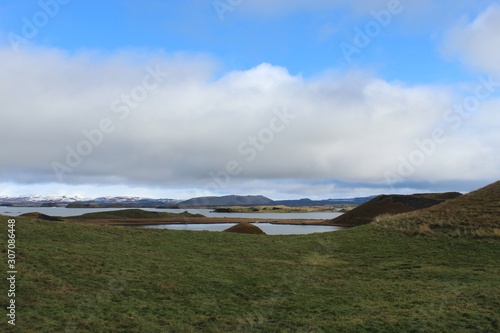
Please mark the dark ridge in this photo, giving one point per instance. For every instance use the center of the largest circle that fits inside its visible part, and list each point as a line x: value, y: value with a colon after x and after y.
x: 390, y: 204
x: 327, y: 202
x: 41, y: 216
x: 228, y: 200
x: 474, y: 214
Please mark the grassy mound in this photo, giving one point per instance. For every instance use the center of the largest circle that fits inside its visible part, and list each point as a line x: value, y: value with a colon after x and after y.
x: 390, y: 204
x: 43, y: 217
x: 245, y: 228
x: 474, y: 214
x: 130, y: 214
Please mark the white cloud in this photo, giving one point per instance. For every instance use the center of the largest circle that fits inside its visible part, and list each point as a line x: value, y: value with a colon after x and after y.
x: 477, y: 43
x: 351, y: 127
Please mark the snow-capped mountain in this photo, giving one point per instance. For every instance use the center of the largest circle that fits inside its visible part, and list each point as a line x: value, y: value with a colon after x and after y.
x: 141, y: 202
x: 52, y: 198
x: 75, y: 201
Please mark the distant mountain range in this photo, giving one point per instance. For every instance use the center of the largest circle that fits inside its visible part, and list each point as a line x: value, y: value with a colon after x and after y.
x: 228, y: 200
x: 138, y: 202
x: 326, y: 202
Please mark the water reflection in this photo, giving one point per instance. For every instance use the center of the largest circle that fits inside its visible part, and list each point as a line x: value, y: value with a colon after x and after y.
x: 268, y: 228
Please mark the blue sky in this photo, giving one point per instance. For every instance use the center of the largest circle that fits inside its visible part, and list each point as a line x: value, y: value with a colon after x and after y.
x: 305, y: 41
x: 231, y: 65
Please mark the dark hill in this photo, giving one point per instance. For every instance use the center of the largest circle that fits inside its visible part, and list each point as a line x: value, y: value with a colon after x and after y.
x: 245, y: 228
x: 327, y: 202
x: 473, y: 214
x: 228, y: 200
x: 40, y: 216
x: 390, y: 204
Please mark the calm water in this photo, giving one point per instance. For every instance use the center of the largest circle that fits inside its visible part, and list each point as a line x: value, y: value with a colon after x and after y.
x: 59, y: 211
x: 196, y: 227
x: 268, y: 228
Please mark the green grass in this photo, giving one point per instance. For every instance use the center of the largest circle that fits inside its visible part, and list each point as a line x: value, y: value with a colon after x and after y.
x: 80, y: 278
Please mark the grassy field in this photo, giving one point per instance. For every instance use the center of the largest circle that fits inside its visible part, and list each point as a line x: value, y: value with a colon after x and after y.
x: 87, y: 278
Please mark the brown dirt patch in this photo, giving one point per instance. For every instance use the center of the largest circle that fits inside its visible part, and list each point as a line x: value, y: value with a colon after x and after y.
x: 245, y: 228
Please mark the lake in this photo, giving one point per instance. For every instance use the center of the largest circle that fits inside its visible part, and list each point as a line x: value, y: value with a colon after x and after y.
x: 63, y: 212
x: 268, y: 228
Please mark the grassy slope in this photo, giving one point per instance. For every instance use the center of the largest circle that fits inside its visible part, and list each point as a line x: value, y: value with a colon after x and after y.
x: 75, y: 278
x: 390, y: 204
x: 474, y: 214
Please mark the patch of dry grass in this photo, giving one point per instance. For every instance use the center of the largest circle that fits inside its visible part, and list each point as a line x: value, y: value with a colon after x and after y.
x: 476, y: 214
x: 390, y: 204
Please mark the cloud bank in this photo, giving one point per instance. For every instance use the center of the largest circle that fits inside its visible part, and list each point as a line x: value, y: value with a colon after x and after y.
x: 477, y: 43
x: 168, y: 121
